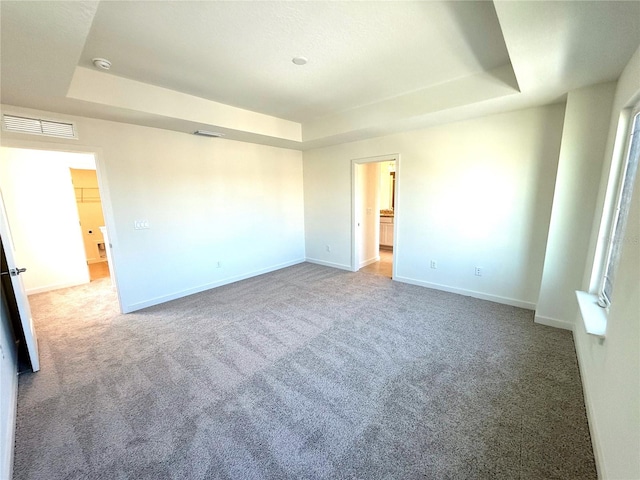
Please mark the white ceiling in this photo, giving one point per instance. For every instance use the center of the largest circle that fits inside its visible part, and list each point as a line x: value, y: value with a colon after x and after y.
x: 374, y: 67
x: 240, y: 53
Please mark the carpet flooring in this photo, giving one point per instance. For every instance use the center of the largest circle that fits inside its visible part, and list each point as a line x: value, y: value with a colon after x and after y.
x: 304, y: 373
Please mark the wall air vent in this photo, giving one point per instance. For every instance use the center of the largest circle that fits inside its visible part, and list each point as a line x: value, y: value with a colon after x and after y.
x: 206, y: 133
x: 37, y: 126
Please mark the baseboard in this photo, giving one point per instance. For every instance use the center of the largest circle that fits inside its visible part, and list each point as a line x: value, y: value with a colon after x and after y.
x: 329, y: 264
x: 553, y: 322
x: 7, y: 442
x: 591, y: 419
x: 56, y: 286
x: 468, y: 293
x: 370, y: 261
x: 207, y: 286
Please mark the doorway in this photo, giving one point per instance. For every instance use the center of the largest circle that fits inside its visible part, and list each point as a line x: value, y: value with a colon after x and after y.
x: 91, y: 217
x: 375, y: 214
x: 53, y: 215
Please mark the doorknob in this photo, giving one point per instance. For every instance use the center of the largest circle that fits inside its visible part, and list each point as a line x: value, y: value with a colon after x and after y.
x: 14, y: 272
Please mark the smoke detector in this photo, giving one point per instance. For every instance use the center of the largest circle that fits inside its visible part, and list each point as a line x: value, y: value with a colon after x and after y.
x: 101, y: 63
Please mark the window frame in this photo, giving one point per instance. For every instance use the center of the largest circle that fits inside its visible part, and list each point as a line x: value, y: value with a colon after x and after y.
x: 619, y: 211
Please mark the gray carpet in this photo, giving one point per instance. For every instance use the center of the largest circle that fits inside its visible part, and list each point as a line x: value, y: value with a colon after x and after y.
x: 308, y: 372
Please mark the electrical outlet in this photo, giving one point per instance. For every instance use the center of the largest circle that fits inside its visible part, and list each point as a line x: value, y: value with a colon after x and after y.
x: 328, y: 247
x: 478, y: 272
x: 434, y: 264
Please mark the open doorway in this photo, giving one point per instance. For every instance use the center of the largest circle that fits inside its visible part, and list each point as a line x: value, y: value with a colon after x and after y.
x: 54, y: 209
x: 91, y: 217
x: 374, y: 200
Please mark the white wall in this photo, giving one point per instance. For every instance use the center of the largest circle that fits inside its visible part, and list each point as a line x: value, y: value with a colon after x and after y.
x: 473, y: 193
x: 368, y: 212
x: 42, y: 213
x: 586, y: 126
x: 386, y: 185
x: 8, y: 390
x: 611, y: 370
x: 206, y: 201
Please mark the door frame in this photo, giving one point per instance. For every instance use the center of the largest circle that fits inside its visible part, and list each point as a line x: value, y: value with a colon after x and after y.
x: 354, y: 203
x: 103, y: 185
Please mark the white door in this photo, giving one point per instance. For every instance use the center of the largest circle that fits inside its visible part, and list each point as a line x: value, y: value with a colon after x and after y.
x: 14, y: 272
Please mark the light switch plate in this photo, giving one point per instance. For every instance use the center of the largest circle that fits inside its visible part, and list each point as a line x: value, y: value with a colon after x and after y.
x: 140, y: 224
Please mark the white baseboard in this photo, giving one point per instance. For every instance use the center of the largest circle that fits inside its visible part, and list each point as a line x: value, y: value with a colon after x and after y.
x: 370, y: 261
x: 56, y: 286
x: 207, y: 286
x: 329, y: 264
x: 553, y: 322
x: 469, y: 293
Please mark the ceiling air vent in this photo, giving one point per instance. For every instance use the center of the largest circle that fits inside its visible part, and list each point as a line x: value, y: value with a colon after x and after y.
x: 37, y: 126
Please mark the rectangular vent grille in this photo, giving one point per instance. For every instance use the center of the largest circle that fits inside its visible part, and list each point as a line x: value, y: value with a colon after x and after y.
x: 37, y: 126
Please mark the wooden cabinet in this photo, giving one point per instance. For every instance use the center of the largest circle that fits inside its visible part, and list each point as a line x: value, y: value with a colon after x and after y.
x: 386, y: 231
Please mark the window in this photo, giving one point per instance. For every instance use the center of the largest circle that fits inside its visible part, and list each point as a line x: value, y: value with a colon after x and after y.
x: 621, y: 212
